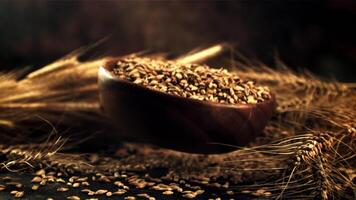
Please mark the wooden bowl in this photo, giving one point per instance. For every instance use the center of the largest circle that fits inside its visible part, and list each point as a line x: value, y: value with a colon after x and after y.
x: 145, y: 115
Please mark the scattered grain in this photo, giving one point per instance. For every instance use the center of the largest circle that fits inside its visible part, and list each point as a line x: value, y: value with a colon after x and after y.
x: 101, y: 192
x: 62, y: 189
x: 168, y: 192
x: 35, y: 187
x: 73, y: 198
x: 36, y: 179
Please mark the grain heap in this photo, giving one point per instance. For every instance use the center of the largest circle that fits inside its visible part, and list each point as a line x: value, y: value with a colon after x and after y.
x: 190, y: 81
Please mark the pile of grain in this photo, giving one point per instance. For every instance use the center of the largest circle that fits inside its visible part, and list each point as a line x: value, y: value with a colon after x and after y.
x: 190, y: 81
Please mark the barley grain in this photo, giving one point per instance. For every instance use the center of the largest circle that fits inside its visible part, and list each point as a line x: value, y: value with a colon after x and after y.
x: 62, y: 189
x: 35, y: 187
x: 73, y: 198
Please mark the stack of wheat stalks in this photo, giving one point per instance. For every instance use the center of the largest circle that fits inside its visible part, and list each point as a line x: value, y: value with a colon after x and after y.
x: 306, y: 152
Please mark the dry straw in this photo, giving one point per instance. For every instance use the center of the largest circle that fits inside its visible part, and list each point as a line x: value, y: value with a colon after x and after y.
x: 307, y: 151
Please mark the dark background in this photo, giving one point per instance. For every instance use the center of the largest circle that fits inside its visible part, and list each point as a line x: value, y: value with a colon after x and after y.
x: 317, y: 35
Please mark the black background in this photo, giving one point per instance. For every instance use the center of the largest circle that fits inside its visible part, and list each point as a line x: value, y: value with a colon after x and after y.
x: 317, y: 35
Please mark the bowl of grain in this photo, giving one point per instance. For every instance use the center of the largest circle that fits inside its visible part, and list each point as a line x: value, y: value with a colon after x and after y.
x: 186, y: 107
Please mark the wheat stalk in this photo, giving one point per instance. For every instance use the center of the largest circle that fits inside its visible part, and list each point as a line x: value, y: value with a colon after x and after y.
x: 307, y: 151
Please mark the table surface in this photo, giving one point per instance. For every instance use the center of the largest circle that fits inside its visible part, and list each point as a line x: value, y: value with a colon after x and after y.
x: 50, y: 190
